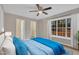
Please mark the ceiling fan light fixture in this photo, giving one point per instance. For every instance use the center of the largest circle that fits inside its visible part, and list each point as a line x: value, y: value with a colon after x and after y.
x: 40, y: 12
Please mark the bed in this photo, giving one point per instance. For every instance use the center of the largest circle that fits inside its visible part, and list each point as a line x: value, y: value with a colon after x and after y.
x: 38, y: 46
x: 34, y: 46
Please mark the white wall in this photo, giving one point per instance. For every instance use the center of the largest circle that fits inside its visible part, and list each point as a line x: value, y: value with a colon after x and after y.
x: 10, y: 24
x: 1, y: 23
x: 77, y: 21
x: 42, y: 28
x: 75, y: 28
x: 1, y: 18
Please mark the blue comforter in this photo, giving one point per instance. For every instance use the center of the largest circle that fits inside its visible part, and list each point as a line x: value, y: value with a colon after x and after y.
x: 36, y: 48
x: 20, y: 46
x: 56, y: 47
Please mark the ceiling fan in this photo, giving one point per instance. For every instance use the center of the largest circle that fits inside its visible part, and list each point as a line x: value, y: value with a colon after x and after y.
x: 41, y: 10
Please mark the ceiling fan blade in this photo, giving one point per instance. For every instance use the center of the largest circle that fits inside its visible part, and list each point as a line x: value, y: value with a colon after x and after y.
x: 33, y: 11
x: 37, y: 14
x: 47, y: 8
x: 37, y: 6
x: 45, y: 13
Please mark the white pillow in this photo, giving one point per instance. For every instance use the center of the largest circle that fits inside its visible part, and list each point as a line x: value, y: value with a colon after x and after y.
x: 8, y: 46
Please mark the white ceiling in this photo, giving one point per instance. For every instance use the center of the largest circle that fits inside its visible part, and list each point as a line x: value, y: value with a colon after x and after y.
x: 23, y: 9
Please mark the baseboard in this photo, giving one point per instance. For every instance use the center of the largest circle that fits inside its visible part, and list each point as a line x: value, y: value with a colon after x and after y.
x: 71, y: 47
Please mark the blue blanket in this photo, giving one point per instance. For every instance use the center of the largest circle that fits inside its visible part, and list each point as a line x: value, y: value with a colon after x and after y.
x: 33, y: 49
x: 57, y: 47
x: 36, y: 48
x: 21, y: 47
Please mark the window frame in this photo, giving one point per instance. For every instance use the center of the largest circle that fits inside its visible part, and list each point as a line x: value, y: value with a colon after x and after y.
x: 57, y: 36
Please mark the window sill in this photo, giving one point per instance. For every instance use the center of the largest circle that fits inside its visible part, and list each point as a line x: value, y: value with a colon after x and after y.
x: 61, y: 37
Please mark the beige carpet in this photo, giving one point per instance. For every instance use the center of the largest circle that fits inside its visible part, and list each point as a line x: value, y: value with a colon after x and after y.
x: 72, y: 51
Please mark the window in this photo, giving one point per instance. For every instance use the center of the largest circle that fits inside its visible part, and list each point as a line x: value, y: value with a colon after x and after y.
x: 54, y: 27
x: 61, y: 27
x: 68, y: 27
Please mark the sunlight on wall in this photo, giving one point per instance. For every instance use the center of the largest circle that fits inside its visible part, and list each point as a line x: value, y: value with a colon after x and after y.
x: 33, y: 28
x: 20, y: 28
